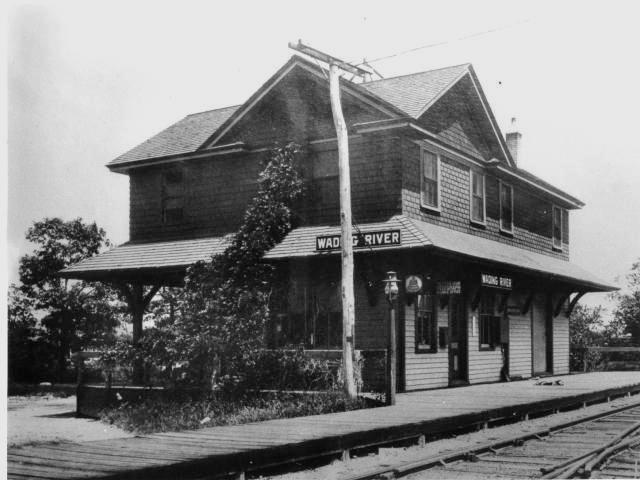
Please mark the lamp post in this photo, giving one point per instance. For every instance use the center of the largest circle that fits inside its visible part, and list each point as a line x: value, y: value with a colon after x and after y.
x: 391, y: 291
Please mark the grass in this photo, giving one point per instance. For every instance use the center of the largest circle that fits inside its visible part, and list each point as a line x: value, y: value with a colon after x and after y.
x: 151, y: 416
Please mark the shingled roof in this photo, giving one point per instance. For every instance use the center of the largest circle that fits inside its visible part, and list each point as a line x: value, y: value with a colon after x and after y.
x: 412, y: 93
x: 184, y: 136
x: 300, y: 242
x: 141, y: 257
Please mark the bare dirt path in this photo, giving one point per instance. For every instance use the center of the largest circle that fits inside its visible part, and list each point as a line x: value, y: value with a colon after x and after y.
x: 37, y: 419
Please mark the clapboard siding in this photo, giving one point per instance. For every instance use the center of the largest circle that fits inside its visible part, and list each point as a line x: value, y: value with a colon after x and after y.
x: 519, y: 341
x: 484, y: 366
x: 424, y: 370
x: 561, y: 342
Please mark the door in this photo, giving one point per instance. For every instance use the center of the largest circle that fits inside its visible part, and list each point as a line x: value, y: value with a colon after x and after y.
x: 539, y: 336
x: 457, y: 341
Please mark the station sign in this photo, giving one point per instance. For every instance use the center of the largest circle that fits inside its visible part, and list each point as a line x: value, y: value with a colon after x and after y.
x: 449, y: 288
x: 381, y: 238
x: 496, y: 281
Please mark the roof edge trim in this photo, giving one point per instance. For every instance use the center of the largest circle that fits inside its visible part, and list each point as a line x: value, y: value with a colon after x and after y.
x: 229, y: 148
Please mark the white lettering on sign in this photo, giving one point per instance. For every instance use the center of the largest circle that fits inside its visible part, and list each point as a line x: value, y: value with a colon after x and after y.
x: 448, y: 288
x: 360, y: 240
x: 497, y: 281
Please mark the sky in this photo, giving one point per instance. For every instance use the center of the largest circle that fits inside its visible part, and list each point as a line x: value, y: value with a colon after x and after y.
x: 88, y: 80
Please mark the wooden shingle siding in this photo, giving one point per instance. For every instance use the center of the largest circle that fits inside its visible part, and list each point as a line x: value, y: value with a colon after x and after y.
x: 450, y: 118
x: 424, y: 370
x: 371, y: 320
x: 519, y: 341
x: 375, y: 181
x: 296, y: 109
x: 455, y: 204
x: 217, y: 192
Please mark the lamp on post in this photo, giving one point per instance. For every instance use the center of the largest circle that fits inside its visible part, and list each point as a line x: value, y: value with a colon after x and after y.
x: 391, y: 291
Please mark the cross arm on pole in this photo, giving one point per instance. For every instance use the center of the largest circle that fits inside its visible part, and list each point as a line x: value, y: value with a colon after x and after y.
x: 328, y: 59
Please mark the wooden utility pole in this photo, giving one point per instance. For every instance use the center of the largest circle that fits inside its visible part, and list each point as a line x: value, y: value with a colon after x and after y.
x: 346, y: 241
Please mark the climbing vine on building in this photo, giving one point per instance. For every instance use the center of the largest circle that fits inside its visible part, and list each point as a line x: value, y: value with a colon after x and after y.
x: 218, y: 318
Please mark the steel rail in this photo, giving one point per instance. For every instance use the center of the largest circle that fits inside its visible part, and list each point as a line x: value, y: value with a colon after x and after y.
x: 471, y: 453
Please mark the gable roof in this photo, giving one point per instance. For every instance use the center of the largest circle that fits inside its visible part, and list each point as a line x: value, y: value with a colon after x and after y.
x: 414, y: 92
x: 184, y: 136
x: 347, y: 87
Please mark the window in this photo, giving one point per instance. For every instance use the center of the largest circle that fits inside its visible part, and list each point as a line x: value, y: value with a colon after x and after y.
x: 489, y: 320
x: 557, y: 228
x: 426, y: 335
x: 506, y: 208
x: 172, y: 196
x: 430, y: 180
x: 477, y: 197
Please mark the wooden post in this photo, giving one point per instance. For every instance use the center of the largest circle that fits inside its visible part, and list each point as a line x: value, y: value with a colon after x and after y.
x: 138, y: 301
x: 391, y: 360
x: 348, y: 309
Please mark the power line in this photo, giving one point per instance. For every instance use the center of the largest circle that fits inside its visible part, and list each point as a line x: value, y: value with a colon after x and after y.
x: 444, y: 42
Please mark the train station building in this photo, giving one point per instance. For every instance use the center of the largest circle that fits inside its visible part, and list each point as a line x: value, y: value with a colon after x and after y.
x: 481, y: 246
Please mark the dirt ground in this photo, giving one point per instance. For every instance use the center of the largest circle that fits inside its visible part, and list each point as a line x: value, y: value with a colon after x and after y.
x: 390, y: 456
x: 38, y: 419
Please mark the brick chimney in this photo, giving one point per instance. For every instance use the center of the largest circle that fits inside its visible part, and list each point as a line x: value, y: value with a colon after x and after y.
x: 513, y: 138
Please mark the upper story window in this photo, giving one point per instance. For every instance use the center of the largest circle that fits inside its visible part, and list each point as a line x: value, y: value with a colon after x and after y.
x: 172, y: 196
x: 430, y: 173
x: 506, y: 208
x: 557, y: 227
x: 478, y: 206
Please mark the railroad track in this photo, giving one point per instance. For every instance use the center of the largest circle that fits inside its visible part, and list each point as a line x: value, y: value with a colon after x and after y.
x: 600, y: 446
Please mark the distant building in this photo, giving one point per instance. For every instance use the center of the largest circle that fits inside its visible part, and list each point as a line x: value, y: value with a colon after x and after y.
x: 437, y: 196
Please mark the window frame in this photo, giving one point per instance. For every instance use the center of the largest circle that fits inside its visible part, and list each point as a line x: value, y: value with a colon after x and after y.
x: 559, y: 247
x: 165, y: 196
x: 493, y: 321
x: 438, y: 180
x: 433, y: 327
x: 472, y: 195
x: 502, y: 184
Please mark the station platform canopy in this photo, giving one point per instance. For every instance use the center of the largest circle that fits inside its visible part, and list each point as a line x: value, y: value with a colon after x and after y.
x: 166, y: 261
x: 304, y: 242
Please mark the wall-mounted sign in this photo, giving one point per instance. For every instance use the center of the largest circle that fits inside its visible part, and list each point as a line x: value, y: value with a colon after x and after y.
x: 413, y: 284
x: 449, y: 288
x: 496, y: 281
x: 360, y: 240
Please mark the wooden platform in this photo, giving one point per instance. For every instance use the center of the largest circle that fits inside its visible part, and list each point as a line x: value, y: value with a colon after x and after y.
x: 241, y: 448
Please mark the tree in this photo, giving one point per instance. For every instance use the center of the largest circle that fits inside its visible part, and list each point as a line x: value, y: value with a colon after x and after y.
x: 586, y: 329
x: 72, y: 315
x: 626, y: 316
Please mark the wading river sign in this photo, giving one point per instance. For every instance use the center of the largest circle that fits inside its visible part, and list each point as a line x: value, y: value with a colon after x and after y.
x: 382, y: 238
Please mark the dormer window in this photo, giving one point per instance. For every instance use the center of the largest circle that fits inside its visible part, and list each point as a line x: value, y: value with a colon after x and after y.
x: 506, y: 208
x: 430, y: 173
x: 557, y: 228
x: 172, y: 196
x: 478, y: 205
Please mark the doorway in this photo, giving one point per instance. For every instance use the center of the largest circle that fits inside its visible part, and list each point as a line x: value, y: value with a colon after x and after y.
x: 457, y: 341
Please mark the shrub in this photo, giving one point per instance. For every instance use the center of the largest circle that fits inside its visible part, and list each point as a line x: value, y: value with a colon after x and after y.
x: 219, y: 409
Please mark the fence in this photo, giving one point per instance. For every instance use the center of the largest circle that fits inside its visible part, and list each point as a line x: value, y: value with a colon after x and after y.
x: 608, y: 358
